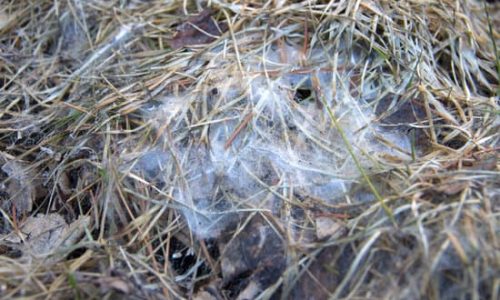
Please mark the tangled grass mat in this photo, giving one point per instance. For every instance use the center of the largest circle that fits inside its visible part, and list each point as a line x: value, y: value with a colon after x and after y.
x: 249, y: 150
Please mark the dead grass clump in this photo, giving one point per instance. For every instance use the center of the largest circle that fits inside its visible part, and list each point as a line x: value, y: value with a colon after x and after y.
x: 227, y: 150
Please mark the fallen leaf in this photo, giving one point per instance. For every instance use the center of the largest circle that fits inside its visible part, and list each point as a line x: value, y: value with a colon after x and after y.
x: 64, y: 183
x: 211, y: 291
x: 323, y: 275
x: 452, y: 187
x: 115, y: 283
x: 19, y: 187
x: 485, y: 162
x: 197, y: 30
x: 250, y: 292
x: 204, y: 295
x: 43, y: 235
x: 253, y: 259
x: 326, y: 227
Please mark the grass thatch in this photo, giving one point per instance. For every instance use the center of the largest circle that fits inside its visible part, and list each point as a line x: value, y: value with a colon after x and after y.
x: 249, y: 150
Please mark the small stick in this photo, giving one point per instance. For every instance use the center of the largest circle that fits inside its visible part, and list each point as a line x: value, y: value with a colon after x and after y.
x: 240, y: 127
x: 306, y: 41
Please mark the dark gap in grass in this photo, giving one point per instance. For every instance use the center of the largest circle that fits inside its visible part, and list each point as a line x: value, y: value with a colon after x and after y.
x: 76, y: 253
x: 181, y: 257
x: 213, y: 248
x: 444, y: 62
x: 235, y: 286
x: 380, y: 30
x: 330, y: 267
x: 31, y: 140
x: 302, y: 94
x: 455, y: 143
x: 74, y: 177
x: 10, y: 252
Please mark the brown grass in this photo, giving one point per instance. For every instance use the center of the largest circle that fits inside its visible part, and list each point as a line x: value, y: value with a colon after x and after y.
x: 203, y: 172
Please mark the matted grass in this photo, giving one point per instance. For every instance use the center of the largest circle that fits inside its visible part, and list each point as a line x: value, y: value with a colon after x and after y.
x: 249, y: 150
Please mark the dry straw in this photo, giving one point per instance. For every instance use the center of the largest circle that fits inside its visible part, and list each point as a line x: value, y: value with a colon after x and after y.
x: 249, y: 150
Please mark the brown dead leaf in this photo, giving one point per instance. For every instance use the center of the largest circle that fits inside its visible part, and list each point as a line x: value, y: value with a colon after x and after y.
x: 323, y: 275
x: 204, y: 295
x: 326, y: 227
x: 115, y: 283
x: 250, y: 292
x: 19, y: 187
x: 211, y: 291
x: 488, y: 161
x: 197, y: 30
x: 452, y: 187
x: 64, y: 183
x: 252, y: 260
x: 43, y: 235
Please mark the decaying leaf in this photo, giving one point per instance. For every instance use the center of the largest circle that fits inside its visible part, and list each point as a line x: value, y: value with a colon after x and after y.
x: 326, y: 227
x: 197, y: 30
x: 322, y: 277
x: 115, y: 283
x: 451, y: 187
x: 44, y: 235
x: 211, y: 291
x: 250, y: 292
x: 64, y: 183
x: 204, y: 295
x: 253, y: 259
x: 19, y: 187
x: 487, y: 161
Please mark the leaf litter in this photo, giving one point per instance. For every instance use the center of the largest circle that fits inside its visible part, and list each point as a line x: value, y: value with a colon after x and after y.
x: 19, y: 187
x: 197, y: 30
x: 46, y: 235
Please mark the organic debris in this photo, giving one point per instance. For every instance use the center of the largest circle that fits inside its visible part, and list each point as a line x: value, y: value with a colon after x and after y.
x: 45, y: 235
x: 197, y: 30
x: 252, y: 260
x: 248, y: 150
x: 19, y: 187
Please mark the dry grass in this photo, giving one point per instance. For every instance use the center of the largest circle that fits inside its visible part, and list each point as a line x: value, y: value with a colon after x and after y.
x: 337, y: 149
